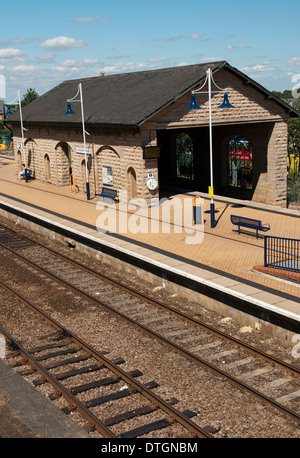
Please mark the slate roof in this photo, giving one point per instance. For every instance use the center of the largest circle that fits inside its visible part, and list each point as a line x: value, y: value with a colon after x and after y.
x: 124, y: 100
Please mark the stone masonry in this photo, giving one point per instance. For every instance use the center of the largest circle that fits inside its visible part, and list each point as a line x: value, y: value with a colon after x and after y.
x: 52, y: 151
x: 50, y: 154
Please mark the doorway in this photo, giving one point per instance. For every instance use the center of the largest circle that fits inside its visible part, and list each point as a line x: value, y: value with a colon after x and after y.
x: 64, y: 162
x: 131, y: 183
x: 184, y: 159
x: 47, y: 168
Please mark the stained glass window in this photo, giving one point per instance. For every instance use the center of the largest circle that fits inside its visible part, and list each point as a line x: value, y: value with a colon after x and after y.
x: 240, y: 162
x: 184, y: 156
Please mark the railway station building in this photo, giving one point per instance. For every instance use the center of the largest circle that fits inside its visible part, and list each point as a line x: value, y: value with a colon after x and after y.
x: 141, y: 138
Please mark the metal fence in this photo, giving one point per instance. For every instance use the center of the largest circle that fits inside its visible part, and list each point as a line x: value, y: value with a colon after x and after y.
x: 282, y: 253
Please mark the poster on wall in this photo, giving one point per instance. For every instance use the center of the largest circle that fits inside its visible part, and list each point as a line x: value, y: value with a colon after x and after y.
x: 107, y: 175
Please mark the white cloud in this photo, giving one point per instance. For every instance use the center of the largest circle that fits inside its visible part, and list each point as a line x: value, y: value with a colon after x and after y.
x: 121, y: 67
x: 12, y: 55
x: 90, y: 61
x: 119, y: 57
x: 58, y: 43
x: 211, y: 59
x: 15, y: 41
x: 69, y: 63
x: 198, y: 36
x: 90, y: 19
x: 195, y: 36
x: 62, y: 69
x: 232, y: 48
x: 19, y: 41
x: 25, y: 69
x: 294, y: 60
x: 74, y: 66
x: 174, y: 38
x: 258, y: 68
x: 159, y: 59
x: 45, y: 58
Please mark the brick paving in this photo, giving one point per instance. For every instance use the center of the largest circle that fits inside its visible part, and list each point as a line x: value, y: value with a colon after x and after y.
x: 222, y: 247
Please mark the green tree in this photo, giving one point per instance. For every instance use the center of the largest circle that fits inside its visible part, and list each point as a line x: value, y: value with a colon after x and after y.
x: 294, y: 136
x: 294, y: 160
x: 293, y: 123
x: 29, y: 97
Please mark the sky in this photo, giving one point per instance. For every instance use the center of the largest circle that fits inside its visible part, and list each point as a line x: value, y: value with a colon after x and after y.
x: 45, y: 43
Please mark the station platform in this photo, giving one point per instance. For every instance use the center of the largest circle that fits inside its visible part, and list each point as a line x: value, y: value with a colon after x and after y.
x: 222, y: 259
x: 26, y: 413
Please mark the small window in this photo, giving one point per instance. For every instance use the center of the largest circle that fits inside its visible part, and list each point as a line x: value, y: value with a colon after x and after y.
x: 47, y: 167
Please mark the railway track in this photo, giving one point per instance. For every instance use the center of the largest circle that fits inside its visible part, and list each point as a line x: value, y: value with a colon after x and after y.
x: 265, y: 377
x: 63, y: 348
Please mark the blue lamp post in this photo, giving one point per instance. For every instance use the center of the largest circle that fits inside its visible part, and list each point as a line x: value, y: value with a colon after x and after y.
x: 8, y: 111
x: 194, y: 106
x: 70, y: 112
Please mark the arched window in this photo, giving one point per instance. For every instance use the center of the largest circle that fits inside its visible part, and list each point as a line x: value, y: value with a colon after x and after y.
x: 64, y: 162
x: 240, y: 162
x: 131, y: 183
x: 184, y: 157
x: 19, y: 160
x: 109, y: 167
x: 47, y: 168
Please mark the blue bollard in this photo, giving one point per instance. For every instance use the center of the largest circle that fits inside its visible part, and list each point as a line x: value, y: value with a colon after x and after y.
x: 197, y: 211
x: 87, y: 191
x: 212, y: 214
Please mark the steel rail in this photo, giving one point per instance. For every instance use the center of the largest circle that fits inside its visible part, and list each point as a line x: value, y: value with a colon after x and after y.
x: 217, y: 332
x: 158, y: 303
x: 60, y: 389
x: 196, y: 359
x: 173, y: 413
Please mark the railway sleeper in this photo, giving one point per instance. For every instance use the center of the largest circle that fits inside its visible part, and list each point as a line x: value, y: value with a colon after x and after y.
x: 145, y: 410
x: 102, y: 382
x: 148, y: 428
x: 113, y: 396
x: 81, y: 370
x: 53, y: 365
x: 57, y: 353
x: 22, y: 362
x: 61, y: 344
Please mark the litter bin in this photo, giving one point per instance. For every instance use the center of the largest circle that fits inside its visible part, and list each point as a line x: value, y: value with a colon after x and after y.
x: 197, y: 210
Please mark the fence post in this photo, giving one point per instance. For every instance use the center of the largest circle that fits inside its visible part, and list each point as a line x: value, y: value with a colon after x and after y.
x: 265, y: 250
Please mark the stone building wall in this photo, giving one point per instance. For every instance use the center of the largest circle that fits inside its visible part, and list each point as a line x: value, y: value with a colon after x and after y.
x: 249, y: 106
x: 48, y: 147
x: 251, y: 110
x: 50, y: 152
x: 277, y: 166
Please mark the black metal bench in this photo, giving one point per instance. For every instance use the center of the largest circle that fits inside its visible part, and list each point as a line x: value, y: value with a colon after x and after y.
x: 108, y: 193
x: 242, y: 221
